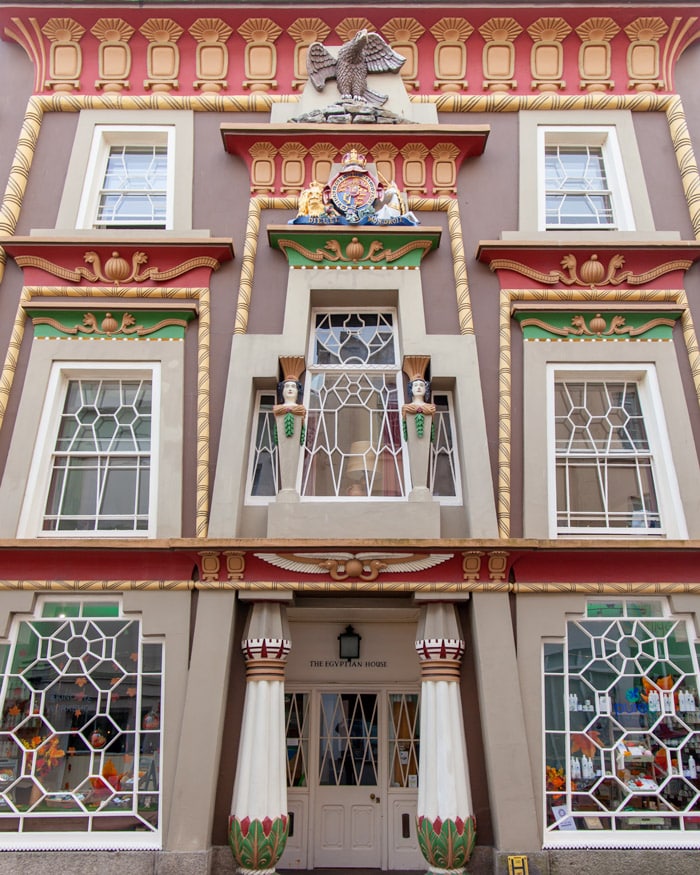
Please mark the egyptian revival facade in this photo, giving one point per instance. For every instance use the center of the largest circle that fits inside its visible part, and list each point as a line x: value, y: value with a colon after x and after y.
x: 349, y: 427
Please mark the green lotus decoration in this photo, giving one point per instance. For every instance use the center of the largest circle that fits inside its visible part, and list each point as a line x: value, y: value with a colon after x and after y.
x: 257, y: 844
x: 447, y: 844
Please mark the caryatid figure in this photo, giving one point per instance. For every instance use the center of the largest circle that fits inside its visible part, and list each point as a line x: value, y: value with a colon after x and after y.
x: 417, y: 417
x: 290, y: 416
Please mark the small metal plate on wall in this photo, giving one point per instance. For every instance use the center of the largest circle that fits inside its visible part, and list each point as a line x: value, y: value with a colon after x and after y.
x: 517, y: 865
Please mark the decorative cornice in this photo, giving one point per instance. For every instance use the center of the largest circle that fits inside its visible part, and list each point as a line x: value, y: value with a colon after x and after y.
x: 109, y: 325
x: 355, y: 251
x: 445, y: 52
x: 598, y: 326
x: 117, y: 270
x: 354, y: 566
x: 361, y: 246
x: 592, y: 274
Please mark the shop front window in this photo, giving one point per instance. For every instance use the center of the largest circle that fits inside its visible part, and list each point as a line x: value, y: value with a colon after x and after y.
x: 80, y: 731
x: 622, y: 729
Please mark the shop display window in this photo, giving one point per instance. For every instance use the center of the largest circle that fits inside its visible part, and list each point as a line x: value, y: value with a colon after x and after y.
x: 622, y: 729
x: 80, y: 731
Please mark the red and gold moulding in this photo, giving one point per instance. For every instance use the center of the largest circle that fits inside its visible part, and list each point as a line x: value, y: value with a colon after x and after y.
x: 180, y: 263
x: 423, y: 159
x: 596, y: 267
x: 216, y: 49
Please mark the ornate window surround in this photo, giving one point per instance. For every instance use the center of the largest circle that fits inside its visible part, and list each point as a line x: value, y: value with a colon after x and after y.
x: 616, y: 127
x: 99, y: 128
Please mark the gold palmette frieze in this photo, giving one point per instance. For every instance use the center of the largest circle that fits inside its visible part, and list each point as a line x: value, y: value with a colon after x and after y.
x: 568, y: 296
x: 616, y: 588
x: 130, y: 292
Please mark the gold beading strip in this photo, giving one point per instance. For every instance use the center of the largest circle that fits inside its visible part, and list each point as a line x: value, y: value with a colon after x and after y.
x: 568, y: 296
x: 442, y: 204
x: 250, y: 248
x: 504, y: 418
x: 687, y: 164
x: 329, y: 586
x: 459, y: 263
x: 203, y: 355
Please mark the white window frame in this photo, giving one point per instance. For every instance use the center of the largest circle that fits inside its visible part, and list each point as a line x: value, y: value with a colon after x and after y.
x: 362, y: 368
x: 78, y: 206
x: 663, y: 471
x: 532, y: 125
x: 93, y: 839
x: 563, y: 836
x: 250, y: 498
x: 106, y: 136
x: 456, y: 499
x: 604, y: 136
x: 38, y: 481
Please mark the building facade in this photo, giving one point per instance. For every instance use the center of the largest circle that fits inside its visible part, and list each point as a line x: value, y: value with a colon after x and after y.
x: 349, y: 427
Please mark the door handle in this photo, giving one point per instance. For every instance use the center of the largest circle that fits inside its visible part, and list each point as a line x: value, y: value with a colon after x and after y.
x: 374, y: 798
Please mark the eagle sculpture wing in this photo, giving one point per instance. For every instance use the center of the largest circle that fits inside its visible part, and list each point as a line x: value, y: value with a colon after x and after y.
x: 379, y: 56
x: 320, y: 65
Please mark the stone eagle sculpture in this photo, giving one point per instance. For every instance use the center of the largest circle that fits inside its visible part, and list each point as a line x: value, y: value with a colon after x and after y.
x: 364, y: 53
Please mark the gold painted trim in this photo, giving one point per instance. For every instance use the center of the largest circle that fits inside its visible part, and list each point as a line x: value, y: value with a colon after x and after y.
x: 570, y: 275
x: 199, y: 294
x: 676, y: 297
x: 619, y: 589
x: 443, y: 204
x: 116, y: 266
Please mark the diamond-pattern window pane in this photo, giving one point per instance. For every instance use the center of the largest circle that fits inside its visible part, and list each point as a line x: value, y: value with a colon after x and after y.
x: 404, y: 739
x: 622, y: 723
x: 264, y: 476
x: 100, y: 478
x: 134, y: 191
x: 80, y: 733
x: 344, y: 339
x: 604, y: 464
x: 296, y: 708
x: 353, y: 436
x: 442, y: 474
x: 577, y: 190
x: 348, y: 740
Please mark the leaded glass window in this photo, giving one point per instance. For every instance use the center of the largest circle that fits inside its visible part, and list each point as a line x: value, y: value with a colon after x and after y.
x: 578, y: 194
x: 80, y: 737
x: 604, y: 462
x: 353, y: 396
x: 264, y: 463
x: 622, y: 728
x: 100, y: 468
x: 134, y: 190
x: 404, y: 739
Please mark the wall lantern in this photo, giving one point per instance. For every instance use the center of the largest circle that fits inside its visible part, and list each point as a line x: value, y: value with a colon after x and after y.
x: 349, y: 644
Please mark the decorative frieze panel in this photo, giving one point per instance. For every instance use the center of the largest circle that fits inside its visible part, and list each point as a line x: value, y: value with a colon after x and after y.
x: 450, y: 57
x: 114, y: 54
x: 305, y: 31
x: 163, y: 57
x: 211, y: 34
x: 547, y: 56
x: 595, y: 54
x: 323, y: 154
x: 226, y: 50
x: 293, y: 171
x: 643, y: 53
x: 541, y: 325
x: 110, y: 324
x: 260, y: 35
x: 499, y: 53
x: 403, y: 34
x: 65, y: 59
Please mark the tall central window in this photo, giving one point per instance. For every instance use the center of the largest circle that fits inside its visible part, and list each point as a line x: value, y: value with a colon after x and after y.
x: 353, y: 395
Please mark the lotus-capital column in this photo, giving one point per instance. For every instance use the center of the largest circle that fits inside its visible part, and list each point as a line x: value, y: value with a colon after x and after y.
x: 446, y: 826
x: 258, y: 824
